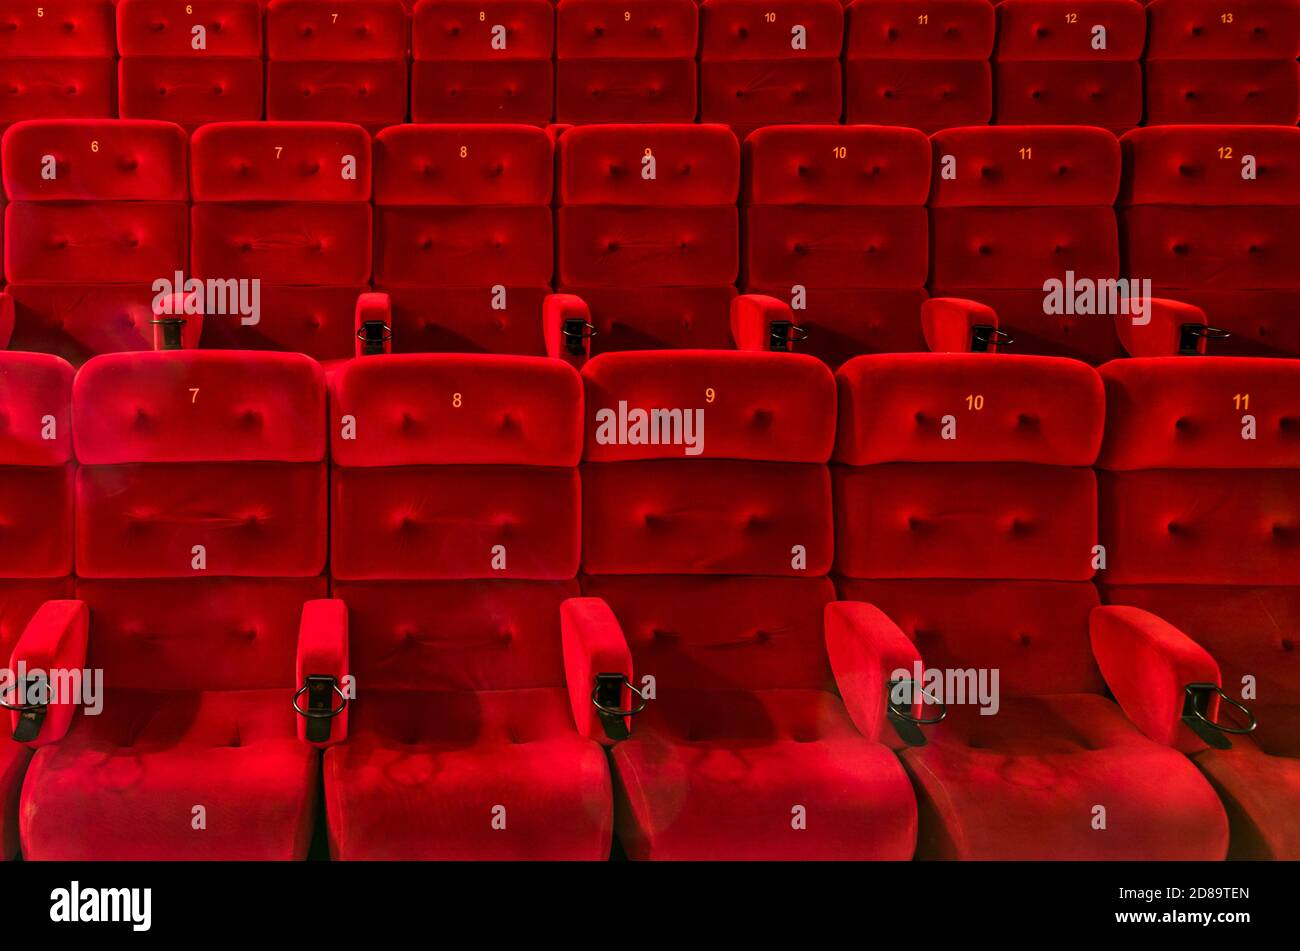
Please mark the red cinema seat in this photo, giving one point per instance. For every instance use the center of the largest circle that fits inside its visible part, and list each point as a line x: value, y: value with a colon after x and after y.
x: 190, y: 63
x: 201, y: 507
x: 1211, y: 215
x: 836, y: 225
x: 648, y: 232
x: 707, y: 533
x: 36, y: 476
x: 1069, y: 63
x: 57, y: 61
x: 455, y: 541
x: 966, y: 511
x: 464, y: 236
x: 1021, y: 219
x: 920, y: 66
x: 770, y: 64
x: 96, y: 230
x: 286, y: 204
x: 483, y: 61
x: 1210, y: 64
x: 621, y: 62
x: 340, y: 62
x: 1200, y: 500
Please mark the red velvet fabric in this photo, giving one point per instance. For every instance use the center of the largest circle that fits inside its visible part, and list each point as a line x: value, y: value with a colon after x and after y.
x: 835, y: 223
x: 58, y: 66
x: 143, y: 408
x: 458, y: 774
x: 593, y: 645
x: 1024, y: 785
x: 162, y: 76
x: 718, y: 517
x: 656, y: 318
x: 1209, y: 234
x: 1259, y: 791
x: 910, y: 520
x: 1049, y: 67
x: 614, y: 64
x: 84, y: 248
x: 1147, y: 663
x: 36, y: 474
x: 930, y: 74
x: 865, y: 649
x: 464, y: 72
x: 345, y: 64
x: 1015, y: 207
x: 1201, y: 69
x: 53, y: 641
x: 1040, y: 410
x: 770, y: 407
x: 714, y: 567
x: 1018, y: 508
x: 1198, y: 525
x: 1167, y: 413
x: 287, y: 203
x: 651, y: 206
x: 468, y: 237
x: 124, y: 785
x: 323, y: 652
x: 455, y: 480
x: 770, y: 65
x: 716, y: 774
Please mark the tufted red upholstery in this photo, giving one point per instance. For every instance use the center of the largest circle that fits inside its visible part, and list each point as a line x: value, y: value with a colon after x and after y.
x: 205, y: 473
x: 97, y: 214
x: 464, y: 235
x: 1200, y: 529
x: 455, y: 540
x: 483, y: 61
x: 190, y: 67
x: 773, y: 64
x: 621, y: 63
x: 672, y: 237
x: 57, y: 63
x: 1207, y: 64
x: 344, y: 63
x: 1208, y: 234
x: 923, y: 68
x: 1014, y: 207
x: 698, y: 556
x: 287, y: 203
x: 979, y: 547
x: 36, y: 475
x: 835, y: 224
x: 1076, y: 64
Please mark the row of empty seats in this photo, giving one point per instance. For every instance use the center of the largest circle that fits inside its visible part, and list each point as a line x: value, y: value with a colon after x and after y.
x: 480, y: 237
x: 932, y: 65
x: 485, y: 546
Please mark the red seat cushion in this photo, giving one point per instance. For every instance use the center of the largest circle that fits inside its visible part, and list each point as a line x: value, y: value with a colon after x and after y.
x: 423, y: 774
x: 1024, y: 784
x: 719, y: 774
x: 1260, y: 792
x: 124, y: 785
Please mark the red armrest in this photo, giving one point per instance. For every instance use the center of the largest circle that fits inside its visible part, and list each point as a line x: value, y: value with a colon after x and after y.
x: 593, y: 644
x: 948, y: 323
x: 374, y: 307
x: 323, y: 651
x: 559, y: 310
x: 6, y: 319
x: 53, y: 641
x: 866, y: 648
x: 751, y: 320
x: 1147, y: 663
